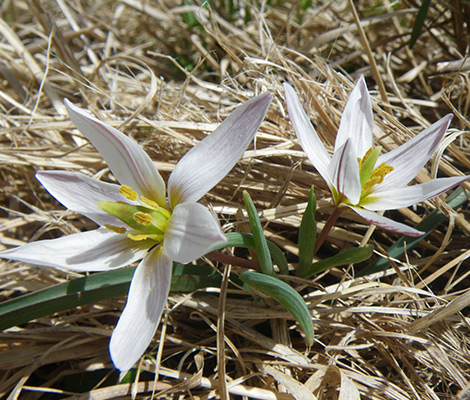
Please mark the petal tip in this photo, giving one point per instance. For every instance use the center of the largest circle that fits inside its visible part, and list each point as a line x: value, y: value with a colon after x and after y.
x: 287, y: 86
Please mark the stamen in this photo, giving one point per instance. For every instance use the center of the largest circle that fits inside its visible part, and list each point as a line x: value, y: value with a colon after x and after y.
x: 137, y: 237
x: 378, y: 176
x: 149, y: 202
x: 366, y: 156
x: 128, y: 193
x: 116, y: 229
x: 142, y: 218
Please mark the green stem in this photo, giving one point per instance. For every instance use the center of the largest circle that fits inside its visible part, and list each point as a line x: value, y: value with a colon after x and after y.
x: 327, y: 228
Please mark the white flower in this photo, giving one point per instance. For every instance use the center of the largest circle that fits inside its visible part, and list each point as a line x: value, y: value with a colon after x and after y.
x: 358, y: 176
x: 138, y: 221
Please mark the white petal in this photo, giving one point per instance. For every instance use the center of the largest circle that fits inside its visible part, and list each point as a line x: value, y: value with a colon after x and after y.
x: 145, y: 304
x: 386, y: 223
x: 126, y: 159
x: 97, y: 250
x: 357, y: 120
x: 344, y: 172
x: 80, y: 193
x: 212, y: 158
x: 306, y: 133
x: 404, y: 197
x: 192, y: 231
x: 408, y: 159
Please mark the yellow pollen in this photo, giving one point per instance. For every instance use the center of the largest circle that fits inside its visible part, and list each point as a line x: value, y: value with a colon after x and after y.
x: 128, y: 193
x: 138, y: 237
x: 378, y: 176
x: 149, y: 202
x: 142, y: 218
x: 115, y: 229
x: 366, y: 156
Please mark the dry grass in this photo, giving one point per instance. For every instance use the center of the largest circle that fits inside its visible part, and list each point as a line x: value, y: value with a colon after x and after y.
x: 139, y: 66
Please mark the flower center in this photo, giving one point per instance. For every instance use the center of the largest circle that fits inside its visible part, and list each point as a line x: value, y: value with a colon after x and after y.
x: 146, y: 220
x: 369, y: 175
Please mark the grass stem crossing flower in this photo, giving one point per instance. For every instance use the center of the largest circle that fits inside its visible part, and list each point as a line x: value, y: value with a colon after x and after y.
x: 359, y: 177
x: 138, y: 220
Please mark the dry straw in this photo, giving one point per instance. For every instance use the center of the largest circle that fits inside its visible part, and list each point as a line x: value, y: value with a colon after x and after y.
x: 167, y: 74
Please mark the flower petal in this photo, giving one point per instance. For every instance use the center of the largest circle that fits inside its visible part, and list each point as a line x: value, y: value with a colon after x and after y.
x: 306, y: 133
x: 386, y: 223
x: 404, y: 197
x: 80, y: 193
x: 408, y: 159
x: 126, y: 159
x: 357, y: 120
x: 344, y: 172
x: 145, y: 304
x: 192, y: 231
x: 212, y: 158
x: 97, y: 250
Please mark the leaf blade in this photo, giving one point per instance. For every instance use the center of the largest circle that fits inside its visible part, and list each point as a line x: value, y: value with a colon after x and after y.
x: 350, y: 256
x: 285, y: 295
x: 246, y: 240
x: 262, y: 251
x: 92, y: 289
x: 307, y: 235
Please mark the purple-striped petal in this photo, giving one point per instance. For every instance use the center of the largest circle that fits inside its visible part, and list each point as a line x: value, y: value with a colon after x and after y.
x: 408, y: 159
x: 357, y: 120
x: 212, y: 158
x: 80, y: 193
x: 344, y: 172
x: 308, y: 138
x: 404, y: 197
x: 127, y: 161
x: 97, y: 250
x: 386, y: 223
x: 192, y: 231
x: 146, y: 301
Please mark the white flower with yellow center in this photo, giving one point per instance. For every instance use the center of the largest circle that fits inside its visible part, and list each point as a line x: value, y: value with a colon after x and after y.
x: 358, y: 176
x: 138, y: 221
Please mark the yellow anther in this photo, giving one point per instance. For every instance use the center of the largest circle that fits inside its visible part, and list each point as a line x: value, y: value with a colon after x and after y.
x: 138, y: 237
x: 378, y: 176
x: 366, y: 156
x: 128, y: 193
x: 142, y: 218
x: 115, y: 229
x: 149, y: 202
x: 380, y: 172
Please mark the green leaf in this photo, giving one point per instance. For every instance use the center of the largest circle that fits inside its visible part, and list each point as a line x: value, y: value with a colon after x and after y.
x: 350, y: 256
x: 187, y: 278
x: 419, y: 22
x: 428, y: 224
x: 246, y: 241
x: 261, y: 245
x: 92, y: 289
x: 304, y: 4
x: 284, y: 294
x: 307, y: 235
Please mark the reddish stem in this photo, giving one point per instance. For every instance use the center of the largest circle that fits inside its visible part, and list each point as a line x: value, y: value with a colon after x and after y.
x: 327, y: 228
x: 232, y: 260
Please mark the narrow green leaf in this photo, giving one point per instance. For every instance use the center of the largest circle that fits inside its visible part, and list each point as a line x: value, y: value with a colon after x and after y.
x: 350, y: 256
x: 261, y: 246
x: 187, y: 278
x: 307, y: 235
x: 92, y: 289
x: 246, y: 241
x: 285, y: 295
x: 428, y: 224
x: 419, y: 22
